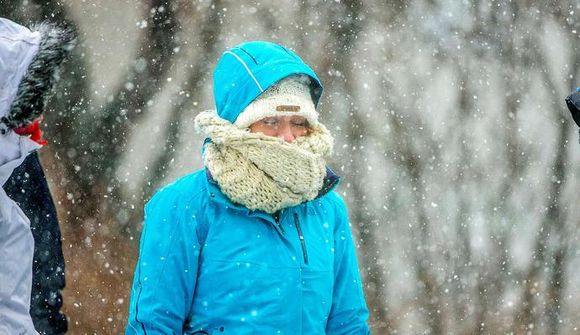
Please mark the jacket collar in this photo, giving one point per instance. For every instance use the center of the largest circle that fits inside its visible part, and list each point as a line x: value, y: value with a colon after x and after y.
x: 331, y: 180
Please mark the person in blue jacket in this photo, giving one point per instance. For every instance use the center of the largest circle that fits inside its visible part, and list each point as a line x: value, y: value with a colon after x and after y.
x: 257, y: 242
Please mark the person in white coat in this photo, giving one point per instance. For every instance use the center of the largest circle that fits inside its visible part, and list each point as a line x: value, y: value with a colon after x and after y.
x: 29, y: 61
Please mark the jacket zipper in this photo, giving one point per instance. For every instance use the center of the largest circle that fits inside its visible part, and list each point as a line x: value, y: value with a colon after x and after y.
x: 278, y: 221
x: 301, y: 237
x: 281, y: 228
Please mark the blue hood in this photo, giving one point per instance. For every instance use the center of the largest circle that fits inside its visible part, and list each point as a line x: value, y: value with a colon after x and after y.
x: 248, y: 69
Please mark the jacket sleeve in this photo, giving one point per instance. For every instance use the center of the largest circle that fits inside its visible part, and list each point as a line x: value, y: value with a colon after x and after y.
x: 16, y: 246
x: 165, y: 275
x: 16, y: 252
x: 28, y: 187
x: 349, y: 313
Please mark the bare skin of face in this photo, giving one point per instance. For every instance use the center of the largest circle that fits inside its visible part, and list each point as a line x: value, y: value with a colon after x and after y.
x: 287, y: 128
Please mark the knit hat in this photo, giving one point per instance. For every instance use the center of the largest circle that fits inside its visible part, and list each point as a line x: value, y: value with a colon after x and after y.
x: 289, y: 97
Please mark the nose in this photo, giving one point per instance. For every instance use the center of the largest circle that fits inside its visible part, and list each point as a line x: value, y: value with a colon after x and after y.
x: 285, y: 133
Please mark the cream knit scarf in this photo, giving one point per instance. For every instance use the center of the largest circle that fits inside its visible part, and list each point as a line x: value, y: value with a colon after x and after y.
x: 264, y: 172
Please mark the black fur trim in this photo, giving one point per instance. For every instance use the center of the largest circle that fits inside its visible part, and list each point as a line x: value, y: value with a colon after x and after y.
x: 42, y: 73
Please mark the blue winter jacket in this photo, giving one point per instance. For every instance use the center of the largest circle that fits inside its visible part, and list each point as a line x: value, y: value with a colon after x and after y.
x: 210, y: 266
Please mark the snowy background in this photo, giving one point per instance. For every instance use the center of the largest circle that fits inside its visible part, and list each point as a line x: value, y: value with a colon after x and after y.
x: 459, y: 157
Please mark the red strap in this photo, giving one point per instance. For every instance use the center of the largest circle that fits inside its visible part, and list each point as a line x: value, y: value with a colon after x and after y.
x: 32, y: 130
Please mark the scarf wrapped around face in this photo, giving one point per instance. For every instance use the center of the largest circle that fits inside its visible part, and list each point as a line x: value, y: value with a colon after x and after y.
x: 264, y: 172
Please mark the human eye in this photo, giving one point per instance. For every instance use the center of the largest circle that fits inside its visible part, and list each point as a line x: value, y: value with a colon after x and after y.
x: 299, y: 122
x: 270, y: 121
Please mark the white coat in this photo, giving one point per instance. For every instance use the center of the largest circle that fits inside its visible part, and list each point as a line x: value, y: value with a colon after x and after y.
x: 18, y: 46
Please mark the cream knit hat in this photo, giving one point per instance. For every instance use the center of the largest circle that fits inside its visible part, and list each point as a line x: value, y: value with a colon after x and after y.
x: 290, y: 96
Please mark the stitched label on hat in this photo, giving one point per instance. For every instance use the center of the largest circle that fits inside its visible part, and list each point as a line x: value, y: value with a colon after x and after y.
x: 287, y: 108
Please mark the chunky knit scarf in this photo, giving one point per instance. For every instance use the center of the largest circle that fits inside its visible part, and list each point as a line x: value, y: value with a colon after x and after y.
x: 263, y: 172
